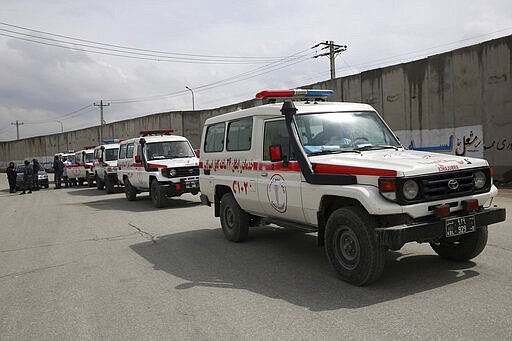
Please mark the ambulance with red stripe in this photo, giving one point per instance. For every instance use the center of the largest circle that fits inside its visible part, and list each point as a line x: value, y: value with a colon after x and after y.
x: 338, y: 170
x: 158, y: 162
x: 82, y: 168
x: 105, y: 165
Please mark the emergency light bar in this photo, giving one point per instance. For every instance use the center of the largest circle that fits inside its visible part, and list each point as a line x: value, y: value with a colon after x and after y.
x: 156, y: 132
x: 112, y: 141
x: 294, y: 92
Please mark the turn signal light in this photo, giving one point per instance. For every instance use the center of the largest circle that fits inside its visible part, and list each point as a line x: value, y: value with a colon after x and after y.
x: 470, y: 205
x: 442, y: 210
x: 387, y: 185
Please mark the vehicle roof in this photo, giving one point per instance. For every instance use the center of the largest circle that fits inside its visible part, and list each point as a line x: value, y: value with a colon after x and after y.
x: 303, y: 107
x: 108, y: 146
x: 157, y: 138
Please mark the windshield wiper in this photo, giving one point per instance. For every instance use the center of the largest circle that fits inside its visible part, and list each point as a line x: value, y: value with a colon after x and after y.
x: 324, y: 152
x: 376, y: 147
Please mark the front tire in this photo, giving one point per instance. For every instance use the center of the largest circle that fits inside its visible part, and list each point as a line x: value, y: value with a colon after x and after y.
x: 351, y: 246
x: 157, y: 197
x: 109, y: 186
x: 129, y: 190
x: 463, y: 248
x: 233, y: 219
x: 99, y: 184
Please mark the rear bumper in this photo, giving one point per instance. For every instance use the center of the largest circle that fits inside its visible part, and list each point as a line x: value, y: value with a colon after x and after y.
x: 395, y: 237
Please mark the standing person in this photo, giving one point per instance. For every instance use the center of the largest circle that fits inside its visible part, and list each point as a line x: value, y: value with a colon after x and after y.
x: 37, y: 167
x: 66, y: 163
x: 28, y: 177
x: 58, y: 168
x: 11, y: 176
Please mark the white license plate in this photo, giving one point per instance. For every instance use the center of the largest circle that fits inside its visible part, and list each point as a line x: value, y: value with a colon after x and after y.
x: 460, y: 225
x: 191, y: 184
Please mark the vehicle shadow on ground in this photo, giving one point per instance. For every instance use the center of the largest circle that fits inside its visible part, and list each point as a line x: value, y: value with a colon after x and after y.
x: 285, y: 264
x: 141, y: 204
x: 91, y: 191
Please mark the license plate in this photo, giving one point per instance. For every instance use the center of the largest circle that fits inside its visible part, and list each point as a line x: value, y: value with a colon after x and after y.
x: 460, y: 225
x: 191, y: 184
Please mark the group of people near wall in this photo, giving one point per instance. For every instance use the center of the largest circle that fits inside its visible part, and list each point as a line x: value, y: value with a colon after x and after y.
x: 30, y: 175
x: 30, y: 178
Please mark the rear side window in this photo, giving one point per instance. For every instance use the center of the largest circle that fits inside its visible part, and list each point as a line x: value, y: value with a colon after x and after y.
x: 122, y: 151
x: 239, y: 135
x: 214, y: 141
x: 129, y: 150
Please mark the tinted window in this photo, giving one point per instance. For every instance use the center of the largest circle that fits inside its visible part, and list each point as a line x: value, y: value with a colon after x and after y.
x: 122, y: 151
x: 169, y: 150
x: 214, y: 141
x: 239, y: 134
x: 129, y: 150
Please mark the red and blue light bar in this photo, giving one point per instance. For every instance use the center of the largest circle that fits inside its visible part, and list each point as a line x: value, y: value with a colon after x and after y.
x: 316, y: 93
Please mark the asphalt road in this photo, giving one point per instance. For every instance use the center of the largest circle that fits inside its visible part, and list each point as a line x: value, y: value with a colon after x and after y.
x: 79, y: 264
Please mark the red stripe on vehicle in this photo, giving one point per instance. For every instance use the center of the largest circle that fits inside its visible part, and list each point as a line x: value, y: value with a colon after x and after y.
x: 352, y: 170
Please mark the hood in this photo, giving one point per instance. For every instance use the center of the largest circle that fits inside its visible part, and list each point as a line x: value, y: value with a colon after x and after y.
x: 177, y: 162
x: 402, y: 162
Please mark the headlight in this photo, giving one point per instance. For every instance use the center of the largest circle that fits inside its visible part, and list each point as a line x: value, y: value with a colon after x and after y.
x: 479, y: 179
x: 172, y: 172
x: 410, y: 189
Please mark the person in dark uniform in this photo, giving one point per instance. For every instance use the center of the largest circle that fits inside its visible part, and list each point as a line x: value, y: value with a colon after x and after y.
x: 28, y: 177
x: 37, y: 167
x: 11, y: 176
x: 58, y: 168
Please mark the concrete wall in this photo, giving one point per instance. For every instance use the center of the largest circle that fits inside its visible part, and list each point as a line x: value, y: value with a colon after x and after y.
x: 435, y: 97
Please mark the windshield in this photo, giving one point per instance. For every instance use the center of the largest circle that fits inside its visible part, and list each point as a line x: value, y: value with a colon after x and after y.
x: 344, y: 132
x: 89, y: 157
x: 169, y: 150
x: 111, y: 154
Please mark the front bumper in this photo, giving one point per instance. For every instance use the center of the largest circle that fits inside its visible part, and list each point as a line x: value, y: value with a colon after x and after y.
x: 174, y: 189
x: 396, y: 236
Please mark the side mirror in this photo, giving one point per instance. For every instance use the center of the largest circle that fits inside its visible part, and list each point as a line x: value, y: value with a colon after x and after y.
x: 276, y: 154
x: 137, y: 159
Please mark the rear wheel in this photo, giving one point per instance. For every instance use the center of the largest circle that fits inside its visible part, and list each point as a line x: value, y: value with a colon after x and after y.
x: 351, y: 246
x: 233, y: 219
x: 157, y: 197
x: 462, y: 248
x: 90, y: 181
x: 129, y: 190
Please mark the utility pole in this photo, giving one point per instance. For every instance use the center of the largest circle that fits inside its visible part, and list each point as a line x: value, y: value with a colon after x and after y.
x: 17, y: 124
x: 334, y: 49
x: 102, y: 121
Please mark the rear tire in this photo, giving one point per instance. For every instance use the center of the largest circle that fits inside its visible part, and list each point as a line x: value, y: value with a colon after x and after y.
x: 129, y: 190
x: 464, y: 248
x: 157, y: 197
x: 233, y: 219
x: 351, y: 246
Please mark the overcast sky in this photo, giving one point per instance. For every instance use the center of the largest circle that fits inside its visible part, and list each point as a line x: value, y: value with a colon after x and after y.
x: 59, y: 57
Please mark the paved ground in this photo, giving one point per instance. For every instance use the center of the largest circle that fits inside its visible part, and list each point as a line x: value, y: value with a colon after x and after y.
x: 81, y: 264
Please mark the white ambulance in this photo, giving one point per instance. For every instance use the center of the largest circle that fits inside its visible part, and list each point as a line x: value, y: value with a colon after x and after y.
x: 337, y: 169
x: 158, y: 162
x: 105, y: 165
x: 83, y: 166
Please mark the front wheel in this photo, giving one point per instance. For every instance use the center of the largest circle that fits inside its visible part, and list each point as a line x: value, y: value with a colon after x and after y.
x: 351, y: 246
x: 157, y: 197
x: 462, y: 248
x: 99, y: 184
x: 109, y: 185
x: 233, y: 219
x: 129, y: 190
